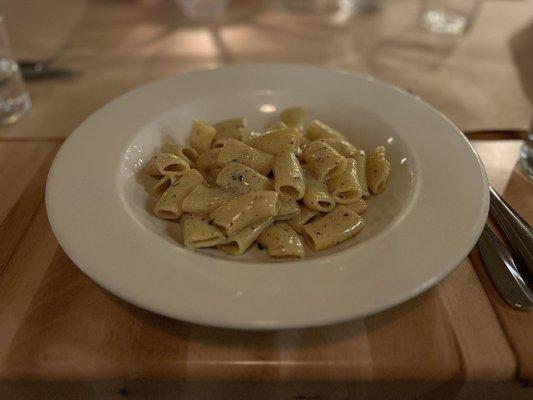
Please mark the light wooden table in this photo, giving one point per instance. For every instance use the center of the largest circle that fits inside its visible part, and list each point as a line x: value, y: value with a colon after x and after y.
x: 61, y: 336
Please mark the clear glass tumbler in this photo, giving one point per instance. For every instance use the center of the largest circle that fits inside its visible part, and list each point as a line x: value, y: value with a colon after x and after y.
x: 448, y: 16
x: 14, y: 98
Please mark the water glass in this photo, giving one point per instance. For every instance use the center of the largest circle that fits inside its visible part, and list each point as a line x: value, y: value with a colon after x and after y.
x: 448, y: 16
x: 14, y: 98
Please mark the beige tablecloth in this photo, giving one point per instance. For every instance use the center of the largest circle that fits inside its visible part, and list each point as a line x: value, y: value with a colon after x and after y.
x: 479, y: 80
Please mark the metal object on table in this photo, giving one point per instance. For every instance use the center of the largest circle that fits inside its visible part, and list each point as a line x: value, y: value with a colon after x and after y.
x: 504, y: 272
x: 517, y: 230
x: 526, y: 152
x: 43, y: 70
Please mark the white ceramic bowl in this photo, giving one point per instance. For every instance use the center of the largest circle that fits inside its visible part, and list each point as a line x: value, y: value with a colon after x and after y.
x: 416, y: 232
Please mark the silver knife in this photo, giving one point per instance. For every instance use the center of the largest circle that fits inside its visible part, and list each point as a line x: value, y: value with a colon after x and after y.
x: 503, y: 271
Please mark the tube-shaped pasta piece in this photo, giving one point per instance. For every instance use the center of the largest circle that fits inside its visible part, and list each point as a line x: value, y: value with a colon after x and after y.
x: 169, y: 205
x: 334, y: 227
x: 208, y: 159
x: 208, y: 165
x: 275, y: 142
x: 245, y: 135
x: 359, y: 207
x: 360, y: 163
x: 167, y: 164
x: 316, y: 194
x: 163, y: 184
x: 233, y: 150
x: 245, y: 210
x: 197, y: 232
x: 242, y: 179
x: 294, y: 117
x: 299, y: 220
x: 323, y: 160
x: 240, y: 241
x: 344, y: 148
x: 288, y: 208
x: 345, y: 187
x: 201, y: 136
x: 184, y: 151
x: 204, y: 200
x: 288, y: 176
x: 377, y: 170
x: 229, y: 128
x: 275, y: 126
x: 319, y: 130
x: 280, y: 240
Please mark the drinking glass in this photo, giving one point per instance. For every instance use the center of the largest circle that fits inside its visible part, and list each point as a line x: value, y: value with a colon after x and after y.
x: 448, y: 16
x: 14, y: 98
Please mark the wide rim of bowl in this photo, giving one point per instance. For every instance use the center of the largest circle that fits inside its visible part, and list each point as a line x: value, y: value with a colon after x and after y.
x: 79, y: 246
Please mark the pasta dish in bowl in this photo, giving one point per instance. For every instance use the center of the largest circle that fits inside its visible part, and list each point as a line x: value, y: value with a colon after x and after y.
x: 268, y: 227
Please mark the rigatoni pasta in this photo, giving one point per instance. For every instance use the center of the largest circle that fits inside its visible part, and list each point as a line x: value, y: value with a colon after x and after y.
x: 294, y: 117
x: 280, y: 240
x: 317, y: 196
x: 235, y: 151
x: 239, y: 242
x: 206, y: 199
x: 201, y: 136
x: 229, y: 128
x: 276, y: 141
x: 239, y: 178
x: 245, y: 210
x: 167, y: 164
x: 232, y: 186
x: 319, y: 130
x: 345, y: 188
x: 198, y: 232
x: 288, y: 176
x: 377, y: 170
x: 333, y: 228
x: 169, y: 204
x: 186, y: 152
x: 324, y: 160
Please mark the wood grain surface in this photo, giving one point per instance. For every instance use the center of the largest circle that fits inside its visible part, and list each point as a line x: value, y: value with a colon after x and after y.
x: 121, y: 44
x: 61, y: 336
x: 58, y: 326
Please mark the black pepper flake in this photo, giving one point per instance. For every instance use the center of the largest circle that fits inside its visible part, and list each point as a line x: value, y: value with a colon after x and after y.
x: 173, y: 195
x: 210, y: 222
x: 318, y: 233
x: 260, y: 246
x: 234, y: 160
x: 346, y: 214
